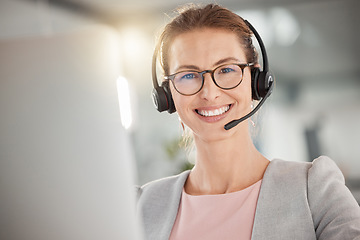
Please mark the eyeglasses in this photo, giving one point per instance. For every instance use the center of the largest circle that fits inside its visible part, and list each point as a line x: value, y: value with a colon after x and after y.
x: 226, y: 77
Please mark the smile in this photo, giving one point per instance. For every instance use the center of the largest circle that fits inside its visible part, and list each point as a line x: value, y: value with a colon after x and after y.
x: 212, y: 113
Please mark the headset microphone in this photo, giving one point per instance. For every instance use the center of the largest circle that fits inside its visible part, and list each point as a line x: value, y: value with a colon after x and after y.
x: 262, y: 82
x: 233, y: 123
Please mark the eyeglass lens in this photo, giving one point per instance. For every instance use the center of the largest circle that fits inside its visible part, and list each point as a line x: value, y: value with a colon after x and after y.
x: 190, y: 82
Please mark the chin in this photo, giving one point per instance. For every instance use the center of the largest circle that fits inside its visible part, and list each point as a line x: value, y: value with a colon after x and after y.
x: 206, y: 135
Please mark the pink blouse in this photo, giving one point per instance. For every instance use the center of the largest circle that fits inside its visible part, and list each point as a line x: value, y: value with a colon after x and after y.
x: 220, y: 216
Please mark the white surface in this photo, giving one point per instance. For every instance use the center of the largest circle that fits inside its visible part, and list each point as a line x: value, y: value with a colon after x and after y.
x: 65, y: 162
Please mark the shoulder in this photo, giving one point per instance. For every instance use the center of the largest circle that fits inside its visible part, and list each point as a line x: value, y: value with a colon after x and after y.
x: 286, y: 174
x: 325, y: 180
x: 310, y: 176
x: 162, y: 187
x: 158, y: 203
x: 308, y: 181
x: 283, y: 195
x: 312, y: 171
x: 334, y: 211
x: 324, y: 169
x: 313, y: 191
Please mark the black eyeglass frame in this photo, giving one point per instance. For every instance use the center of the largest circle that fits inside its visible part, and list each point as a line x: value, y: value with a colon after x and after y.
x: 241, y: 65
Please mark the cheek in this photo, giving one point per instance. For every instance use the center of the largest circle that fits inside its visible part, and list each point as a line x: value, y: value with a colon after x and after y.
x: 243, y: 92
x: 182, y: 105
x: 243, y: 95
x: 178, y: 99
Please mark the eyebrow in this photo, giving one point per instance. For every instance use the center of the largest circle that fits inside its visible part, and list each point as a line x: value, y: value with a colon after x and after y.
x: 187, y: 67
x: 224, y: 60
x: 194, y: 67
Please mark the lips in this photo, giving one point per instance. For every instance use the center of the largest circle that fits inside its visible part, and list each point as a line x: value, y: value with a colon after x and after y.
x: 213, y: 112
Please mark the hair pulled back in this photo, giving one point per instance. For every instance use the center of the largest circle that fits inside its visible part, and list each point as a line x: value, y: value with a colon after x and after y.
x: 192, y: 17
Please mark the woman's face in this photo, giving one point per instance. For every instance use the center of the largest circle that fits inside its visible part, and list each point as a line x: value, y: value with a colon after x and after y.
x: 209, y: 110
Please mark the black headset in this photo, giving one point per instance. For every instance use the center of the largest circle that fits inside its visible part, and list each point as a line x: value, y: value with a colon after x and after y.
x: 260, y: 80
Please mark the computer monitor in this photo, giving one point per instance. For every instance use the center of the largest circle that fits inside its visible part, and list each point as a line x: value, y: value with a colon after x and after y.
x: 66, y: 166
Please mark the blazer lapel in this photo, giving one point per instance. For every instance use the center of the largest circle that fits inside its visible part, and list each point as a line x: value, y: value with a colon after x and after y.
x: 263, y: 215
x: 282, y: 210
x: 172, y: 205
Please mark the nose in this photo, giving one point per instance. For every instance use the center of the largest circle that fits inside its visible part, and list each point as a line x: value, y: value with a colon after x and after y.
x: 209, y: 91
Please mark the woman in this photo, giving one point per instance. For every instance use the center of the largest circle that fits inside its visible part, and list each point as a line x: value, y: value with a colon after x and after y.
x: 234, y: 192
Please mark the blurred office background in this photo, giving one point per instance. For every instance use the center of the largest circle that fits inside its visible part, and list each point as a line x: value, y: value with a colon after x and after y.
x: 313, y: 48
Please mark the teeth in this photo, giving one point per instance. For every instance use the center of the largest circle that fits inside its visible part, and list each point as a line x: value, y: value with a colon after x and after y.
x: 215, y: 112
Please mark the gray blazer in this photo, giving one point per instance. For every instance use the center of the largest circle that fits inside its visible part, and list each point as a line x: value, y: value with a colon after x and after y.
x: 297, y: 201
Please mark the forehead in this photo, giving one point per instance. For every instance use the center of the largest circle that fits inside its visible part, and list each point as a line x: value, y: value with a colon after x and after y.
x: 205, y: 47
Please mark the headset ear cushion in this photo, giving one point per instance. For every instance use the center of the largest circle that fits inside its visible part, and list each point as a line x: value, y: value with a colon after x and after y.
x: 170, y: 101
x: 255, y: 72
x: 263, y: 84
x: 160, y: 99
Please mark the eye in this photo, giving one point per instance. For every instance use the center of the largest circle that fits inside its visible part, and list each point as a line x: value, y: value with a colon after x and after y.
x: 181, y: 77
x: 189, y: 76
x: 226, y: 70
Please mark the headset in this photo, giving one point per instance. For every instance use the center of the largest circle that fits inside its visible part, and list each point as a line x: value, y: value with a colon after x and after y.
x: 262, y: 82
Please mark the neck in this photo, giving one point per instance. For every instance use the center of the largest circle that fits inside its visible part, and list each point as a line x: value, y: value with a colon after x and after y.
x: 226, y: 165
